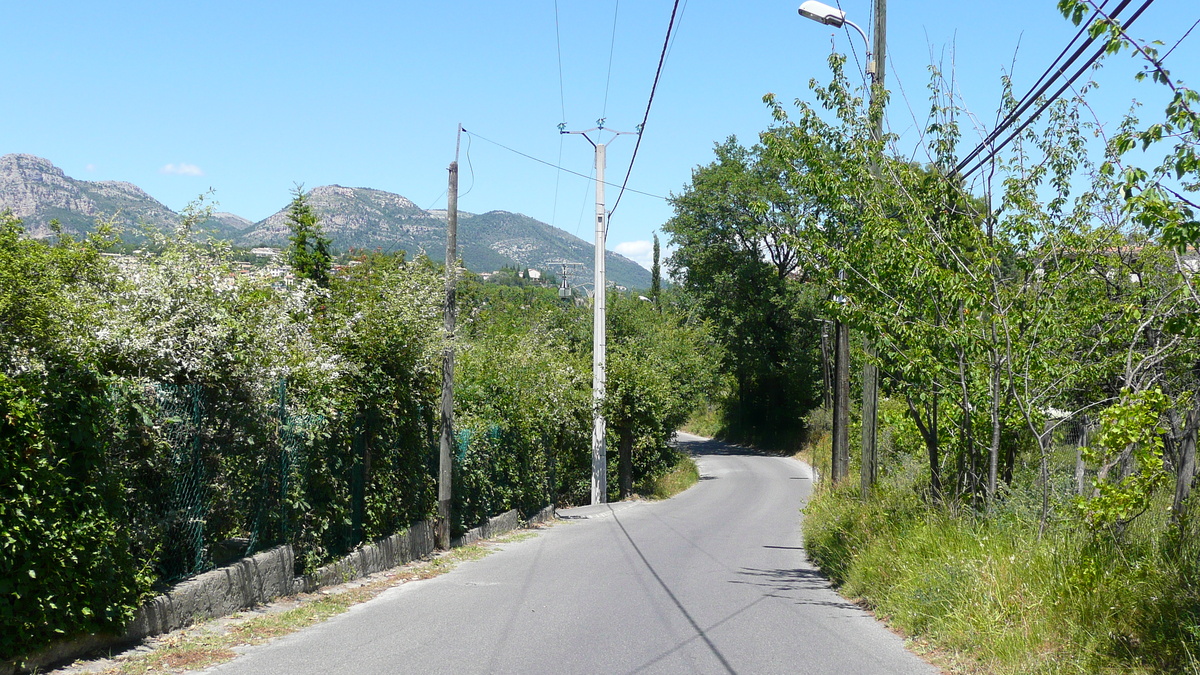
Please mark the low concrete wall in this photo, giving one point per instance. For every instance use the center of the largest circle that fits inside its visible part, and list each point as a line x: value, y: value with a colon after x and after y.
x: 396, y: 550
x: 501, y: 524
x: 505, y: 522
x: 246, y: 583
x: 259, y: 579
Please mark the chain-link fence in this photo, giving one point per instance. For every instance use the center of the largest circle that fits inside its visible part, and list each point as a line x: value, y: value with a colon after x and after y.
x: 199, y: 501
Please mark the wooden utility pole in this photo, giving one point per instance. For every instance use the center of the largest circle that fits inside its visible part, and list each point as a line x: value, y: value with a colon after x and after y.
x: 840, y: 449
x: 446, y: 444
x: 870, y: 406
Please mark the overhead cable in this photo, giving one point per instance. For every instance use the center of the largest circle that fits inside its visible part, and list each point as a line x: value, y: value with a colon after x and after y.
x: 1046, y: 104
x: 642, y: 127
x: 555, y: 166
x: 1039, y: 87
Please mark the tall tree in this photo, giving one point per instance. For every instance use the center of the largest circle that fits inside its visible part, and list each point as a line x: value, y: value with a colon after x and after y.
x: 309, y: 252
x: 738, y: 265
x: 656, y: 276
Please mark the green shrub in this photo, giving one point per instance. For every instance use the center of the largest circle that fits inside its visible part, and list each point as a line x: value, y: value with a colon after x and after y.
x: 66, y: 561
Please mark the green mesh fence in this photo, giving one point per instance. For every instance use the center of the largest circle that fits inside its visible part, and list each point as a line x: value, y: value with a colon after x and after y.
x: 223, y: 481
x: 182, y: 412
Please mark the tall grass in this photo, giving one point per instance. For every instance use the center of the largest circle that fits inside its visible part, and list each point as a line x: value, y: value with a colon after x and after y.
x: 993, y: 597
x: 683, y: 475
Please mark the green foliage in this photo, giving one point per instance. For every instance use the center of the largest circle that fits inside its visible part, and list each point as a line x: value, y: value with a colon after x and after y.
x: 309, y: 250
x: 735, y: 230
x: 1129, y: 434
x: 1003, y: 598
x: 656, y: 275
x: 658, y: 368
x: 175, y: 412
x: 66, y: 563
x: 523, y: 389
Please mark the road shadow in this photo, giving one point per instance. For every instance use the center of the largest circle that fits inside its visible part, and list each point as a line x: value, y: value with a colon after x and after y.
x: 712, y: 446
x: 795, y: 583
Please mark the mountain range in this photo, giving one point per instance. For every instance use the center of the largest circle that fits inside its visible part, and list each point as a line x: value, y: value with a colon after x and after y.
x: 37, y: 192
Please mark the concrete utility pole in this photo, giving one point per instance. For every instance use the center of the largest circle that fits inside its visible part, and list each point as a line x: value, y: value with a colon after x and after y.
x: 870, y: 408
x: 599, y: 324
x: 446, y: 444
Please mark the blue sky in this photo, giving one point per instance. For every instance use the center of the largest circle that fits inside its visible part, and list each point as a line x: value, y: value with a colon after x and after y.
x: 249, y: 98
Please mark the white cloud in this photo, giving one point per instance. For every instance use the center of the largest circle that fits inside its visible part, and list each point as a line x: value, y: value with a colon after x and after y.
x: 182, y: 169
x: 640, y: 252
x: 90, y: 168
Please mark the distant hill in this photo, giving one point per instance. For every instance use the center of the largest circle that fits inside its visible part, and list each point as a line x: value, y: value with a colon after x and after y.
x: 37, y: 192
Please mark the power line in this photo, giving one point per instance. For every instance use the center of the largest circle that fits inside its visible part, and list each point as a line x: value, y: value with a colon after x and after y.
x: 611, y: 46
x: 678, y: 23
x: 1046, y: 104
x: 641, y: 127
x: 562, y: 97
x: 555, y: 166
x: 1039, y: 87
x: 562, y: 101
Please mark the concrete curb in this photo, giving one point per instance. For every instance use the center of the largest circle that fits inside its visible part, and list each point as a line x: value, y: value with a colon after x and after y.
x: 248, y: 582
x: 501, y: 524
x: 594, y: 510
x: 257, y: 580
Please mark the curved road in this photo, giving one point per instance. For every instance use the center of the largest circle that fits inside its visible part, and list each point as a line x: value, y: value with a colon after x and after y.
x: 712, y: 581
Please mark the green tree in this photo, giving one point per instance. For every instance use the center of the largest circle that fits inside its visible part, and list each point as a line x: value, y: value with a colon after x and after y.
x: 656, y: 276
x: 658, y: 369
x: 735, y: 230
x: 309, y: 251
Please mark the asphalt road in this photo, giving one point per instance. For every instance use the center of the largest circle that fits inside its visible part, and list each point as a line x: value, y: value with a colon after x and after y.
x: 712, y: 581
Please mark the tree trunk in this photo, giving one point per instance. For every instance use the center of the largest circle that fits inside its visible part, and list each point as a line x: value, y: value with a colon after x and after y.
x: 971, y: 482
x: 994, y: 448
x: 930, y: 435
x: 826, y: 370
x: 1080, y: 468
x: 1185, y: 473
x: 840, y: 445
x: 625, y: 445
x: 1044, y: 440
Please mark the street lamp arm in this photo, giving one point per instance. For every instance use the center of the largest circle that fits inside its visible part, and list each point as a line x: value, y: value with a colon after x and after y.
x: 862, y: 33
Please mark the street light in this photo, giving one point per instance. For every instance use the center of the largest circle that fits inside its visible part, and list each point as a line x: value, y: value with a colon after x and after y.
x: 832, y: 16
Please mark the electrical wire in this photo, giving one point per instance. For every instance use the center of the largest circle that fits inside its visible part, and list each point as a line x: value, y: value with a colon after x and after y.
x: 555, y: 166
x: 678, y: 23
x: 562, y: 102
x: 471, y: 167
x: 850, y: 39
x: 1040, y: 86
x: 642, y: 127
x: 611, y: 48
x: 1046, y: 104
x: 562, y: 96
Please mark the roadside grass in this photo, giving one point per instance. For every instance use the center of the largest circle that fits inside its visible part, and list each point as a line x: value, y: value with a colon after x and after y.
x: 203, y: 646
x: 682, y: 476
x: 986, y: 594
x: 706, y: 421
